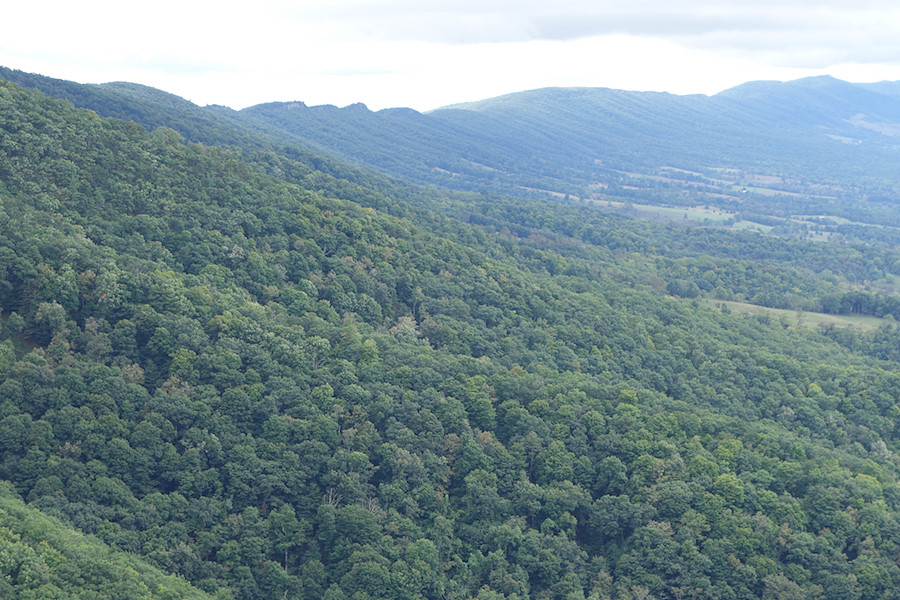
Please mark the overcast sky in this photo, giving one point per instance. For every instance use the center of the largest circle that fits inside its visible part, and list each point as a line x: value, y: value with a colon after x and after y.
x: 429, y: 53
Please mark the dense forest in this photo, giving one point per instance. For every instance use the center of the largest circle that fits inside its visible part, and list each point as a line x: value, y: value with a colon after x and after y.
x: 245, y: 371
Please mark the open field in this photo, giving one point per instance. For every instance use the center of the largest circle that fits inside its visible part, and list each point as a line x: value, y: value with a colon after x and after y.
x: 800, y: 318
x: 694, y: 213
x: 752, y: 225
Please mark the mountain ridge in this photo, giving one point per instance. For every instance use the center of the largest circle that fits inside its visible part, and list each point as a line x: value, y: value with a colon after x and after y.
x: 834, y: 157
x: 551, y: 138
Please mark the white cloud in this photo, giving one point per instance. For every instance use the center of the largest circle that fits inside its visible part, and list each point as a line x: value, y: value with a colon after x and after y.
x: 425, y: 54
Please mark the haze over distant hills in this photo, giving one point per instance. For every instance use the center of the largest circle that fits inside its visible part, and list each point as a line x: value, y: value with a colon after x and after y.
x: 560, y: 139
x: 814, y: 146
x: 556, y: 137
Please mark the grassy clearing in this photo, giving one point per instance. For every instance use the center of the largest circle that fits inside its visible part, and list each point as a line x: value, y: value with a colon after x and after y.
x: 752, y: 225
x: 800, y: 318
x: 694, y: 213
x: 812, y: 219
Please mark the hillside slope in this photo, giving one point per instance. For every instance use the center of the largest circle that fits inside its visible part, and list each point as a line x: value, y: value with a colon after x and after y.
x: 558, y: 138
x: 42, y: 559
x: 279, y: 394
x: 825, y: 144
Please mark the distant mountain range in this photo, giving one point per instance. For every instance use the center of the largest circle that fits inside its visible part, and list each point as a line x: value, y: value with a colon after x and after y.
x: 555, y: 137
x: 559, y: 140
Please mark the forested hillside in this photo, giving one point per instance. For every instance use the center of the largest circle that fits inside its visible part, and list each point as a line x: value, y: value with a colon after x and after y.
x: 814, y: 157
x: 279, y: 382
x: 42, y: 560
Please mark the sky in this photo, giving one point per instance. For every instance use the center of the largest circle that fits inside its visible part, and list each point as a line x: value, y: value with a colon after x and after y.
x: 429, y: 53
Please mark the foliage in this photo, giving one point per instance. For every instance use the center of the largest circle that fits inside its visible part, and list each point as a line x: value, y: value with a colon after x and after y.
x: 279, y: 382
x: 42, y: 559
